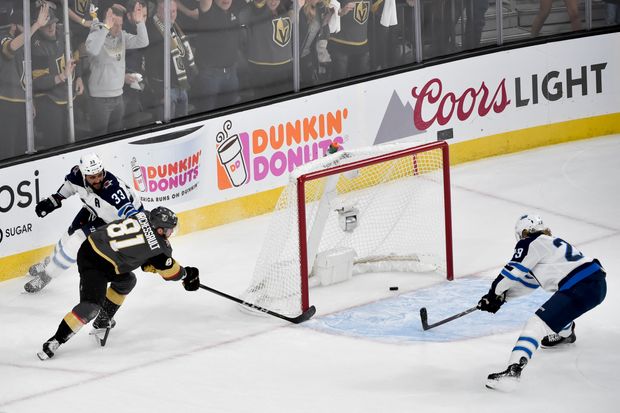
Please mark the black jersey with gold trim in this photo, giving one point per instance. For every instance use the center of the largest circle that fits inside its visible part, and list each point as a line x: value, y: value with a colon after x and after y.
x: 353, y: 25
x: 11, y: 70
x: 131, y: 243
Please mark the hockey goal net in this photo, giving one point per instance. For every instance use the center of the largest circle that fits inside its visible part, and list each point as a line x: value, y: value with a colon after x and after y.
x: 378, y: 209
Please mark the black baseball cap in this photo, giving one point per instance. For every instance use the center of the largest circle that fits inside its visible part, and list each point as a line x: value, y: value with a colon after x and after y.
x: 7, y: 14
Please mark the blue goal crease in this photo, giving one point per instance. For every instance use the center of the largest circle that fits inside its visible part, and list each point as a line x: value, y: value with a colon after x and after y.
x: 397, y: 319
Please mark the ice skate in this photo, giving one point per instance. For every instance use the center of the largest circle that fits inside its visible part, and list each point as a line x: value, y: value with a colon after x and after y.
x: 101, y: 328
x: 37, y: 269
x: 556, y: 340
x: 49, y: 349
x: 508, y: 379
x: 37, y: 283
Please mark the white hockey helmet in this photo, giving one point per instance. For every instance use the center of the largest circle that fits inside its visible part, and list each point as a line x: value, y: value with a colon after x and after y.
x: 90, y: 164
x: 529, y: 224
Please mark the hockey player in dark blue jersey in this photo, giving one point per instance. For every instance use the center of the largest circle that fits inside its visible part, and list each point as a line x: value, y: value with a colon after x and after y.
x: 106, y: 198
x: 109, y: 256
x: 541, y: 260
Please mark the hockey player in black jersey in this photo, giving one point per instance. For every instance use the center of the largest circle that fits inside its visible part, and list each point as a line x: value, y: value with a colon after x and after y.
x: 108, y: 256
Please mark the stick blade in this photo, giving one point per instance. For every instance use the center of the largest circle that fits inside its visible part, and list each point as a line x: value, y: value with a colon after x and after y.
x: 424, y: 318
x: 305, y: 316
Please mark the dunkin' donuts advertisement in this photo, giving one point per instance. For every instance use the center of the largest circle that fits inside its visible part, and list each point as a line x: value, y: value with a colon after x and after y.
x: 167, y: 169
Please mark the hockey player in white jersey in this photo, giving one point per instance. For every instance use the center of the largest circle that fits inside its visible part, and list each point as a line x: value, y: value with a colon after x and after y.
x: 106, y: 198
x: 541, y: 260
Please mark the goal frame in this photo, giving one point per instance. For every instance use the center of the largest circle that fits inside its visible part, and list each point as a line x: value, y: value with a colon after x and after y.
x: 413, y: 151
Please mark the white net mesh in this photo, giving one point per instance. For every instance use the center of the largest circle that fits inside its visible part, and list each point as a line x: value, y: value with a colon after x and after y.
x: 395, y: 212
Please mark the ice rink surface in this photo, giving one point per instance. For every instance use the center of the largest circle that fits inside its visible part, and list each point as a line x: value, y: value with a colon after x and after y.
x: 365, y: 351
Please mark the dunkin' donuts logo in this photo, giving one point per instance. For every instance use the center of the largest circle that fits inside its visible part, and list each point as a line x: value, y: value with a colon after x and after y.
x: 163, y: 181
x: 230, y: 153
x: 276, y: 150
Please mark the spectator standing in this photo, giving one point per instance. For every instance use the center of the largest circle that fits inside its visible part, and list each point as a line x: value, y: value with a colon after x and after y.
x: 217, y: 52
x: 133, y: 90
x: 106, y: 45
x: 386, y: 27
x: 269, y: 47
x: 613, y: 12
x: 473, y: 11
x: 348, y: 48
x: 80, y: 19
x: 12, y: 97
x: 182, y: 65
x: 187, y: 17
x: 313, y: 20
x: 50, y: 72
x: 545, y: 9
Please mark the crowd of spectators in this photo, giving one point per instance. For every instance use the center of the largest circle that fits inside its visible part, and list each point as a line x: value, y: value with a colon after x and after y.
x: 222, y: 52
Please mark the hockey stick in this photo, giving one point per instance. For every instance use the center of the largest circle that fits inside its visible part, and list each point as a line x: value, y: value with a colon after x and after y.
x: 424, y: 318
x: 306, y: 315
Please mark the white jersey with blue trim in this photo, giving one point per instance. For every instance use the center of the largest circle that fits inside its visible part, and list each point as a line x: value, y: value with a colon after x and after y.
x: 115, y: 200
x: 543, y: 261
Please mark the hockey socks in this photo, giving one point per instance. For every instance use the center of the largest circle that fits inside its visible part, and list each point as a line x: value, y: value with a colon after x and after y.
x: 64, y: 256
x: 105, y: 319
x: 527, y: 343
x: 112, y: 303
x: 65, y: 253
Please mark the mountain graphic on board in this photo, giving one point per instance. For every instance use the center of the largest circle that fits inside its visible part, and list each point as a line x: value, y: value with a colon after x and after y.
x: 397, y: 122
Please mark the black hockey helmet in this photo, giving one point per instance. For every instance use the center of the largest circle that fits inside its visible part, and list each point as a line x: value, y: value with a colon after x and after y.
x: 162, y: 217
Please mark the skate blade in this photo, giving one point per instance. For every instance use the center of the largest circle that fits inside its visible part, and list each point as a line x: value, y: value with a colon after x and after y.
x: 100, y: 335
x: 42, y: 355
x: 30, y: 289
x: 561, y: 346
x: 505, y: 385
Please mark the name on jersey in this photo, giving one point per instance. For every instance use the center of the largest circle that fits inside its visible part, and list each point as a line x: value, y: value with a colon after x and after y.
x: 148, y: 230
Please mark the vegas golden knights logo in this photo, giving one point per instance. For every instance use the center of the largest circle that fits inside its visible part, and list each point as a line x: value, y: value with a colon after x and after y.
x: 81, y: 7
x: 61, y: 64
x: 281, y: 31
x: 60, y: 67
x: 362, y: 8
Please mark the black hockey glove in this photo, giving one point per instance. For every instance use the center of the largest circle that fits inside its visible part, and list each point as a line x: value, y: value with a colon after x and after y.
x: 191, y: 282
x: 48, y: 204
x: 491, y: 302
